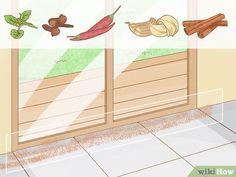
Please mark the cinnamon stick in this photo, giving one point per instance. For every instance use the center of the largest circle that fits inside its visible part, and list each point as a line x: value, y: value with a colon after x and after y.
x: 194, y: 22
x: 203, y: 34
x: 202, y: 26
x: 186, y: 22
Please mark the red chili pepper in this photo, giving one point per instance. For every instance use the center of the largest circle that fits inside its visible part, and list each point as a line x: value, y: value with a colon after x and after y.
x: 91, y: 34
x: 105, y: 22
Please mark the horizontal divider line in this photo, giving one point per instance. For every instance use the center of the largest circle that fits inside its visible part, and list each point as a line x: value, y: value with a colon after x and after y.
x: 70, y: 98
x: 163, y: 93
x: 117, y: 88
x: 153, y: 65
x: 101, y: 118
x: 175, y: 55
x: 57, y: 85
x: 140, y: 98
x: 168, y: 55
x: 150, y: 107
x: 142, y: 83
x: 66, y: 114
x: 63, y: 75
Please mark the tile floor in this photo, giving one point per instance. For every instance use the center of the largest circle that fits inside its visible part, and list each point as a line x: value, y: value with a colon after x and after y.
x: 146, y: 149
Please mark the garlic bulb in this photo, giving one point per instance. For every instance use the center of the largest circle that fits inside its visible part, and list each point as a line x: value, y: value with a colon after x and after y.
x: 142, y: 29
x: 167, y: 25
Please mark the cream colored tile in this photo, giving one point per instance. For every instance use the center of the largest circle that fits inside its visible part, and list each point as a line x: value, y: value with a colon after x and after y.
x: 61, y: 159
x: 199, y: 139
x: 126, y: 149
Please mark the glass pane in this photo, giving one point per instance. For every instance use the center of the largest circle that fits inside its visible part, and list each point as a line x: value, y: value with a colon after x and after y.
x: 150, y: 72
x: 61, y: 88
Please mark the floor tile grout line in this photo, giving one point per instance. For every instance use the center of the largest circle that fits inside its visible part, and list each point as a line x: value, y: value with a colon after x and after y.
x: 217, y: 121
x: 183, y: 157
x: 177, y: 154
x: 210, y: 149
x: 177, y: 159
x: 167, y: 145
x: 22, y: 166
x: 150, y: 167
x: 91, y: 157
x: 170, y: 148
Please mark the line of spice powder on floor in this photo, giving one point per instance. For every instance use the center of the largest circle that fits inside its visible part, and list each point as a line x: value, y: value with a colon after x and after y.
x: 103, y: 26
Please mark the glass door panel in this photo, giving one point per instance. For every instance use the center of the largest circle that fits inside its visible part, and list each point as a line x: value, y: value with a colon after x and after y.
x: 61, y: 83
x: 150, y: 73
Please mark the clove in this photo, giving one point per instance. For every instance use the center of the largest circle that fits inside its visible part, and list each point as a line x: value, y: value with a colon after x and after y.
x: 59, y: 22
x: 53, y: 30
x: 55, y: 23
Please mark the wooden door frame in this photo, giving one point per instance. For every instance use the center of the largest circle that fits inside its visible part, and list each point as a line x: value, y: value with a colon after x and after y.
x: 109, y: 102
x: 15, y: 99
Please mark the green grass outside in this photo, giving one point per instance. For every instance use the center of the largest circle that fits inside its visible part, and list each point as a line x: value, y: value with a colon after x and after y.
x: 150, y: 53
x: 76, y: 60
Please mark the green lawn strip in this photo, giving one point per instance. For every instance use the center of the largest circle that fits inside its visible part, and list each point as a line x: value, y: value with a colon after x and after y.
x: 150, y: 53
x: 76, y: 60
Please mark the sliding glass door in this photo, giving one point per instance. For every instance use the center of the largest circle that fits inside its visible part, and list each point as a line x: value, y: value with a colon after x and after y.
x: 66, y: 88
